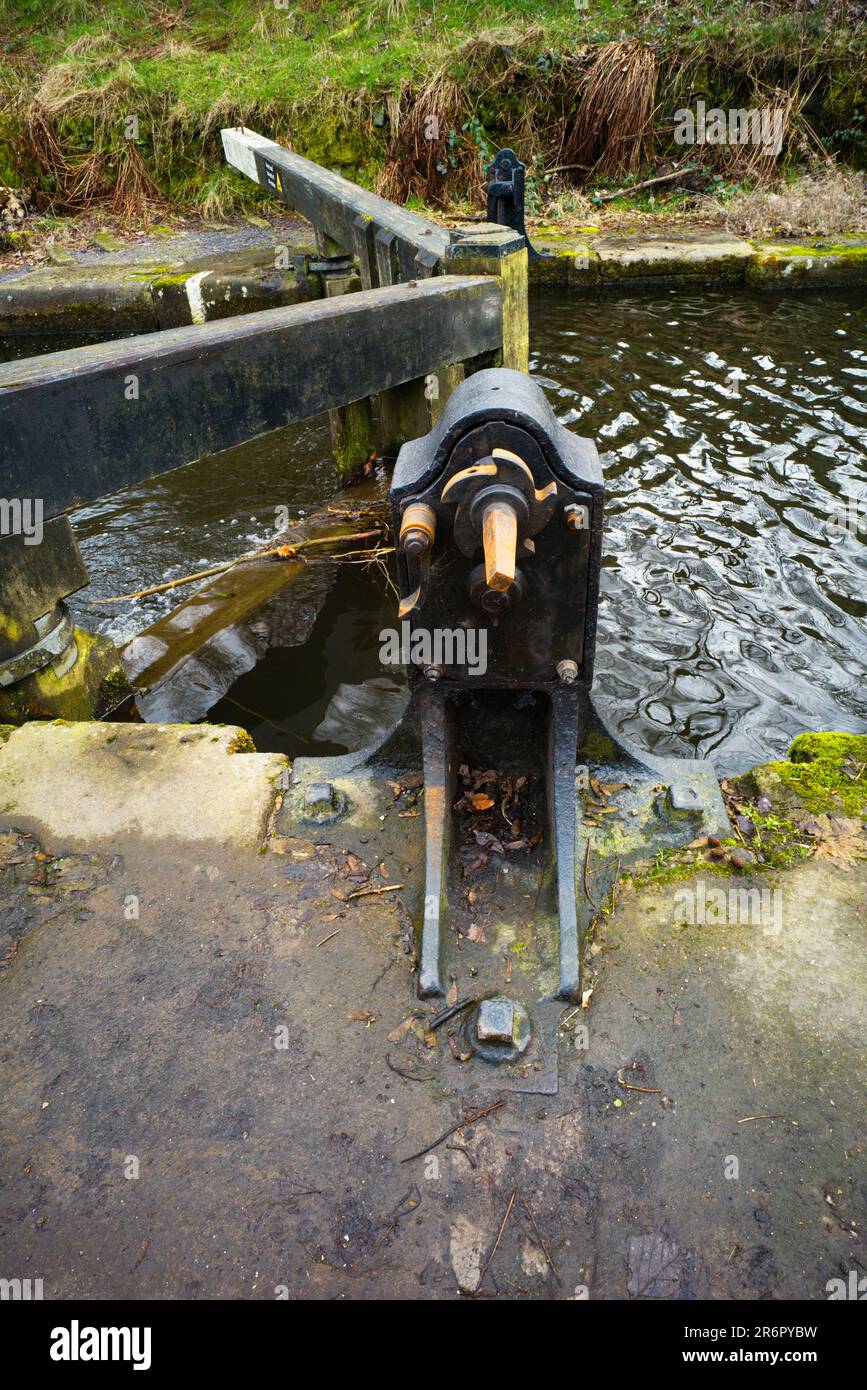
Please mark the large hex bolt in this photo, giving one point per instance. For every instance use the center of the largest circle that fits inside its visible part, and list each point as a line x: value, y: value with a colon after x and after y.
x: 500, y: 1029
x: 496, y: 1022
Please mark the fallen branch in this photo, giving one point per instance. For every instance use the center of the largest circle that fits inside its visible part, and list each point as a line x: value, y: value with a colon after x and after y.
x: 648, y: 183
x: 286, y: 552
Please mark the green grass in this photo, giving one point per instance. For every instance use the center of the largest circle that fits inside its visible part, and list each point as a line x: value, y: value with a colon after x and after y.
x: 325, y: 77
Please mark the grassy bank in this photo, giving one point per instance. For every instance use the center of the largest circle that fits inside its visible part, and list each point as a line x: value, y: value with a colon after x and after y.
x: 120, y: 104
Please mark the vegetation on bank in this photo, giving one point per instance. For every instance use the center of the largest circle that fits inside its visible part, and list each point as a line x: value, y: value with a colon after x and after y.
x: 120, y: 104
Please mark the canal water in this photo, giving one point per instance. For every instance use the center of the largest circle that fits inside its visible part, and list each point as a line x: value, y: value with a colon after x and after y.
x: 732, y: 431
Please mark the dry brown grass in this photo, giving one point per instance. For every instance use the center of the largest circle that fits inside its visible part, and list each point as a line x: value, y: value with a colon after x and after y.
x: 418, y: 160
x: 112, y: 171
x: 611, y: 129
x: 431, y: 155
x: 824, y: 203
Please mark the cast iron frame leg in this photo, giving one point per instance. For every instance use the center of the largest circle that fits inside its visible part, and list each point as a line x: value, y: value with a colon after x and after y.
x: 562, y: 746
x: 437, y: 736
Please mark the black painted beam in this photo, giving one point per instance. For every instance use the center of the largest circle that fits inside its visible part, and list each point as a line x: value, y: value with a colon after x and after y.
x: 391, y: 243
x: 78, y: 425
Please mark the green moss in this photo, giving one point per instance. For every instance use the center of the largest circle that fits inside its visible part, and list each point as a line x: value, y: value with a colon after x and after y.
x: 826, y: 774
x: 87, y: 690
x: 827, y: 771
x: 670, y: 866
x: 242, y: 743
x: 597, y: 747
x: 779, y: 843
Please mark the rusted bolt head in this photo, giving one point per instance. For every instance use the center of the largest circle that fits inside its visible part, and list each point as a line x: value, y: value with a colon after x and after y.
x: 432, y: 674
x: 567, y: 671
x: 577, y: 516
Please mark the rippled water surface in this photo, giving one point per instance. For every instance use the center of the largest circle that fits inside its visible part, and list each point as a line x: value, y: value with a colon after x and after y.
x: 733, y: 603
x: 731, y: 427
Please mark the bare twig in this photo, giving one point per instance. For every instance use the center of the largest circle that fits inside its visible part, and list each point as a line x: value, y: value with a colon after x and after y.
x: 546, y: 1252
x: 627, y: 1086
x: 506, y: 1213
x: 594, y: 905
x: 286, y: 552
x: 461, y: 1124
x: 446, y: 1014
x: 398, y: 1071
x: 462, y: 1149
x: 368, y: 892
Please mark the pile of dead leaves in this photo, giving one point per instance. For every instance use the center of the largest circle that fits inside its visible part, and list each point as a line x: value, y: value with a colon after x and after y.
x: 596, y: 801
x: 496, y: 816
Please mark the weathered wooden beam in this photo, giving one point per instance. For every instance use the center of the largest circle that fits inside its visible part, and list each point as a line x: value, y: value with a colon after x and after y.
x: 391, y: 243
x: 78, y: 425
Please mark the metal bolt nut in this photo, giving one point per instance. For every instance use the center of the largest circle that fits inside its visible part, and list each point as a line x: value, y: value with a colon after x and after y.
x: 577, y: 516
x: 682, y: 797
x: 495, y: 1024
x: 319, y: 799
x: 567, y: 671
x: 431, y: 673
x: 415, y: 542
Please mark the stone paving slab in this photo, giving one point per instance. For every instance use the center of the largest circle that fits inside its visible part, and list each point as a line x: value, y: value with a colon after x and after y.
x: 82, y: 783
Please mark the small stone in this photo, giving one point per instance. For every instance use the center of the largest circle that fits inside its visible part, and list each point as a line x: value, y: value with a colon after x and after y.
x: 467, y: 1248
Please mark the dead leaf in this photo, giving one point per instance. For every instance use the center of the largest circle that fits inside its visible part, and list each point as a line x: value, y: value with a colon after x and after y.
x: 452, y: 996
x: 481, y: 802
x: 488, y: 841
x: 476, y: 933
x: 361, y: 1016
x: 655, y: 1266
x: 397, y: 1033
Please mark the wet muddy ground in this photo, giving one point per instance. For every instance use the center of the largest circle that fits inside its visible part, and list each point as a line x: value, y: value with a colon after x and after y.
x: 230, y: 1045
